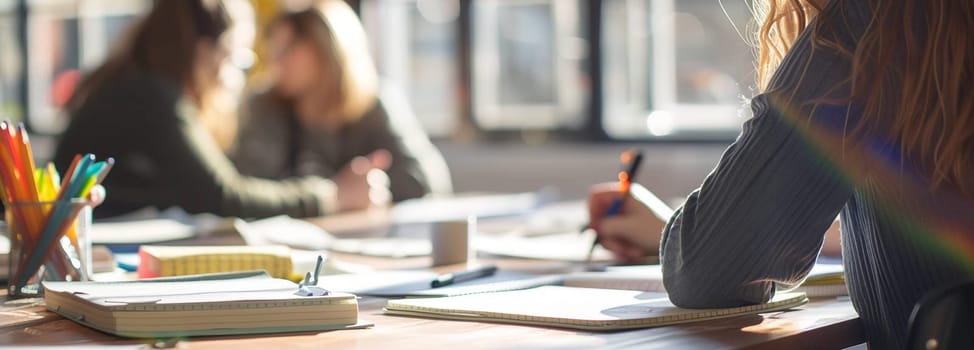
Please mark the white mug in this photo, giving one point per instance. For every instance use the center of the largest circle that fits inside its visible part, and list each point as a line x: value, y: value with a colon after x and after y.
x: 451, y: 241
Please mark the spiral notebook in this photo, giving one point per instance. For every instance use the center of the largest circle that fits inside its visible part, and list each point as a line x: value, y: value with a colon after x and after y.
x: 216, y: 304
x: 577, y: 308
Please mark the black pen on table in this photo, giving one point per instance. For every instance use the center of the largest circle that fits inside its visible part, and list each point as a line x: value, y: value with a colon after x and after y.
x: 463, y: 276
x: 630, y: 160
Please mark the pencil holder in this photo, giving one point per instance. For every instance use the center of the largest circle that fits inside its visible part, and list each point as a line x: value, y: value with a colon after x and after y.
x: 48, y: 241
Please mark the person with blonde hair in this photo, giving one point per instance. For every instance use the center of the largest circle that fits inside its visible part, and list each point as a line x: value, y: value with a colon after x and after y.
x: 158, y: 106
x: 325, y: 107
x: 865, y: 109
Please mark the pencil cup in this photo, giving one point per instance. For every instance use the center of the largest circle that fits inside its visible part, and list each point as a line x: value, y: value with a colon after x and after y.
x: 48, y: 241
x: 451, y: 241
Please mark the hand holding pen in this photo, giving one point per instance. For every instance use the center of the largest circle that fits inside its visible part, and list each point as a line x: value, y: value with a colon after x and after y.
x: 628, y: 227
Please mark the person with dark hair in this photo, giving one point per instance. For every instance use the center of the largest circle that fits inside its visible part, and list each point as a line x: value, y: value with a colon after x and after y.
x: 157, y: 106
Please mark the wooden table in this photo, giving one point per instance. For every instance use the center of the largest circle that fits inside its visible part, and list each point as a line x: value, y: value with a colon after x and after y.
x: 821, y: 324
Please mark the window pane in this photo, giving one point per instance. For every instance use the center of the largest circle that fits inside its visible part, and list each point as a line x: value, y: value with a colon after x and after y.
x: 54, y: 59
x: 67, y: 38
x: 627, y: 45
x: 414, y: 44
x: 529, y: 59
x: 525, y: 55
x: 10, y: 68
x: 675, y: 68
x: 714, y: 63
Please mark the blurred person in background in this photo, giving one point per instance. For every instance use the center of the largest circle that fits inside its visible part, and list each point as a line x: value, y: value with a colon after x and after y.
x: 322, y: 106
x: 158, y: 105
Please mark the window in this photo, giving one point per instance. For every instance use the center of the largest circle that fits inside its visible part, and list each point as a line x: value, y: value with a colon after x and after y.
x: 54, y: 61
x: 529, y: 63
x: 10, y: 64
x: 415, y: 47
x: 675, y: 68
x: 66, y: 37
x: 669, y: 68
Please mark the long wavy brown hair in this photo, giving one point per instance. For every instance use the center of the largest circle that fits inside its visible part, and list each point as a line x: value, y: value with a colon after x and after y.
x: 912, y: 73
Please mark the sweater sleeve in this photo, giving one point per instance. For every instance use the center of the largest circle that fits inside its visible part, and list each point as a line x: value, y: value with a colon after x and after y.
x: 417, y: 167
x: 759, y: 218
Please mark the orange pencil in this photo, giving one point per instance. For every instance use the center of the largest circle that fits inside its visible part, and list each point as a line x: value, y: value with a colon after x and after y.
x: 27, y: 162
x: 23, y: 177
x: 20, y: 187
x: 12, y: 160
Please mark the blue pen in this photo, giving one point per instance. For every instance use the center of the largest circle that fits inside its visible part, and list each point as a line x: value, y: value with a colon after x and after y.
x: 631, y: 159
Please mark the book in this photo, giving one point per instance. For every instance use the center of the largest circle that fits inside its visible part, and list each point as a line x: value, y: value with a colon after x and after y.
x: 164, y: 261
x: 824, y: 280
x: 217, y: 304
x: 590, y: 309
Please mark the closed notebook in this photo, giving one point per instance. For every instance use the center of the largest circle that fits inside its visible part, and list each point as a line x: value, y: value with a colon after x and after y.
x: 576, y: 308
x: 164, y: 261
x: 824, y: 280
x: 218, y: 304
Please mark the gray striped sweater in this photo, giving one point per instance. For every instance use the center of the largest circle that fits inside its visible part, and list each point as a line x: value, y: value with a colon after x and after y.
x: 756, y: 224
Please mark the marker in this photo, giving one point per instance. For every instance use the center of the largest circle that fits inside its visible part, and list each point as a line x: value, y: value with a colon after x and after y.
x: 631, y: 160
x: 463, y: 276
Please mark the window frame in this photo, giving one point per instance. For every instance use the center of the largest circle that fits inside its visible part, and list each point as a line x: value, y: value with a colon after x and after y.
x: 697, y: 122
x: 38, y: 115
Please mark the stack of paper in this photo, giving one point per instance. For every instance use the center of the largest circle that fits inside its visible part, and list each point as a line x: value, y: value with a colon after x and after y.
x: 284, y: 230
x: 825, y: 280
x: 200, y: 305
x: 566, y: 246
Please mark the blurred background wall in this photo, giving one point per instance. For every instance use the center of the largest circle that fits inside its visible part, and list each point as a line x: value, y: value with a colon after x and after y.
x: 518, y: 94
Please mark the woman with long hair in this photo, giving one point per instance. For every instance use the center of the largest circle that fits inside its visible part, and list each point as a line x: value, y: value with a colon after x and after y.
x: 323, y: 106
x: 865, y: 109
x: 158, y: 106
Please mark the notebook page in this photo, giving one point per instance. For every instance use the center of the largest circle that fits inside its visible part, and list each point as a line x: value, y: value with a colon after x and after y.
x: 148, y: 231
x: 566, y: 246
x: 286, y: 231
x: 113, y: 294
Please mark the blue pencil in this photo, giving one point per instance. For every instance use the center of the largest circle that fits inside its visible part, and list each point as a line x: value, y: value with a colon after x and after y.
x: 58, y: 214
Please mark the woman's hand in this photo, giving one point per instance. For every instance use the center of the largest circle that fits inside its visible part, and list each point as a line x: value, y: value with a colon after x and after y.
x: 363, y: 182
x: 634, y: 232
